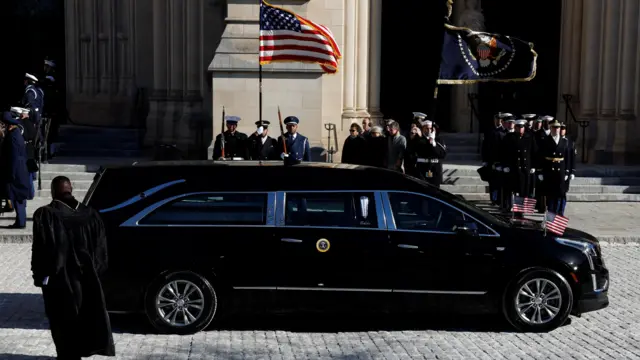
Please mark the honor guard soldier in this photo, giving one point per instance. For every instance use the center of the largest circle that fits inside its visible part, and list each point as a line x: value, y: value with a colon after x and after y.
x: 491, y: 154
x: 542, y: 125
x: 33, y: 98
x: 235, y: 142
x: 297, y: 146
x: 261, y: 145
x: 430, y: 154
x: 530, y: 118
x: 519, y: 149
x: 415, y: 140
x: 14, y: 165
x: 571, y: 166
x: 554, y: 172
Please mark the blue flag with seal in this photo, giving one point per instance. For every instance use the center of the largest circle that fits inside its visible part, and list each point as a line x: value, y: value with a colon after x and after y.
x: 471, y: 57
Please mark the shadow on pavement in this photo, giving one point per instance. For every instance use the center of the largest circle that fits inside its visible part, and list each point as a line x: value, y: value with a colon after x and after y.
x: 24, y: 357
x: 26, y: 311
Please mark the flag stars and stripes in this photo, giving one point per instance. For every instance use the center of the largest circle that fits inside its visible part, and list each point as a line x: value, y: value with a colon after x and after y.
x: 556, y: 223
x: 523, y: 205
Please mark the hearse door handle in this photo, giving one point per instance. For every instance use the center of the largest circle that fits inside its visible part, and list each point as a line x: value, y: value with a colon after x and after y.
x: 407, y: 246
x: 289, y: 240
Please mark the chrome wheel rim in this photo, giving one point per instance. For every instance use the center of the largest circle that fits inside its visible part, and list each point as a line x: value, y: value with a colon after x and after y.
x: 180, y: 303
x: 538, y: 301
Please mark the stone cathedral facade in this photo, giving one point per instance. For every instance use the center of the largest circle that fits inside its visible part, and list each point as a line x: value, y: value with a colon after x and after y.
x: 171, y: 65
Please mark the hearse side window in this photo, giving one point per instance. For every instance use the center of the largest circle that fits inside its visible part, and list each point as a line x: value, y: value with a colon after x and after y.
x: 331, y: 209
x: 211, y: 209
x: 415, y: 212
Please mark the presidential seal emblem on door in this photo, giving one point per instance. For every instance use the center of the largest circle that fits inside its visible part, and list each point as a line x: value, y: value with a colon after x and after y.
x: 323, y: 245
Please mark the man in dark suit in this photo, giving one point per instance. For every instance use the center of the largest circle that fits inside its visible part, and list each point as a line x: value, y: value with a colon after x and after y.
x: 261, y: 145
x: 296, y: 148
x: 491, y: 154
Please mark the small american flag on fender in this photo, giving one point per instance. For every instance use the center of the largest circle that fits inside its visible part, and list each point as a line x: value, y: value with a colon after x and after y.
x: 287, y: 37
x: 556, y: 223
x: 523, y: 205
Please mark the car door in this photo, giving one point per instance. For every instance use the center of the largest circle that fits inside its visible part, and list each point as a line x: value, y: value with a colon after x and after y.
x: 332, y: 242
x: 430, y: 256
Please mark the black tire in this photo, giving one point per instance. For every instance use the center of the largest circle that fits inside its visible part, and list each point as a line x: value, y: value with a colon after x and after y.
x: 524, y: 323
x: 198, y: 320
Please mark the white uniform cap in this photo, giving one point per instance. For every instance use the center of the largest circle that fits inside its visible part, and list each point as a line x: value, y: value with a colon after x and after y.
x: 529, y: 116
x: 50, y: 63
x: 29, y: 76
x: 419, y: 115
x: 521, y: 122
x: 504, y: 115
x: 232, y: 119
x: 19, y: 110
x: 547, y: 118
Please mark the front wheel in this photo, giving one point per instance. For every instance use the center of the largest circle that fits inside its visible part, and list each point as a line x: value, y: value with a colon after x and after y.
x: 538, y: 301
x: 180, y: 303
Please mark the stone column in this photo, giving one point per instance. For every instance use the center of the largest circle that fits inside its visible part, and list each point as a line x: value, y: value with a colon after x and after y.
x: 570, y: 55
x: 375, y: 54
x: 630, y: 60
x: 157, y: 100
x: 362, y: 75
x: 349, y: 62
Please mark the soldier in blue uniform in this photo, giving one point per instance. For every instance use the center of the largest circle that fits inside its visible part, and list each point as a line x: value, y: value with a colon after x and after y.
x: 571, y: 167
x: 491, y: 154
x: 554, y: 170
x: 33, y: 97
x: 541, y: 132
x: 30, y: 133
x: 530, y: 118
x: 16, y: 179
x: 297, y: 146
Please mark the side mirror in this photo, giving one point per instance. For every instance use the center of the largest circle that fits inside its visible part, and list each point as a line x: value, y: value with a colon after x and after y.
x: 468, y: 229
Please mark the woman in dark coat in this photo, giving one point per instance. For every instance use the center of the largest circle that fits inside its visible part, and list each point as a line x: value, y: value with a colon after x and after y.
x: 376, y: 148
x: 354, y: 150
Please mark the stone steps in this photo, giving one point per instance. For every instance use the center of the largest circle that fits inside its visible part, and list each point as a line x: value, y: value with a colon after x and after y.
x: 475, y: 180
x: 576, y: 189
x: 571, y: 197
x: 87, y: 141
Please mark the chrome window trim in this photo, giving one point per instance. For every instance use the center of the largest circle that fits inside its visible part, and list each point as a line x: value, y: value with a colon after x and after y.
x: 281, y: 201
x: 392, y: 223
x: 143, y: 195
x: 135, y: 219
x: 364, y: 290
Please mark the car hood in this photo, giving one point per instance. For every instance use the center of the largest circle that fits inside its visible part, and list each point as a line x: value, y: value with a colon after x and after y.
x: 569, y: 233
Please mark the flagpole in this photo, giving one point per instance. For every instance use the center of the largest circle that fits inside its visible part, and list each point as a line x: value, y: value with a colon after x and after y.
x: 259, y: 74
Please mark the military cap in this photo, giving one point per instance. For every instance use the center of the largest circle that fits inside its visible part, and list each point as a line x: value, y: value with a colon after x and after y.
x: 264, y: 123
x: 563, y: 125
x: 232, y: 119
x: 510, y: 119
x: 555, y: 123
x: 10, y: 120
x: 50, y: 63
x: 291, y: 119
x: 529, y: 116
x: 19, y: 110
x: 546, y: 118
x: 502, y: 115
x: 521, y: 122
x: 30, y: 77
x: 419, y: 115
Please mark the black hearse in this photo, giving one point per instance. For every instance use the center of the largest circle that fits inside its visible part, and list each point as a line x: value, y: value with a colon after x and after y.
x: 191, y: 241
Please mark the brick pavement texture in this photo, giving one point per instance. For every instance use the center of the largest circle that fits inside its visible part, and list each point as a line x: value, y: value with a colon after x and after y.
x: 612, y: 333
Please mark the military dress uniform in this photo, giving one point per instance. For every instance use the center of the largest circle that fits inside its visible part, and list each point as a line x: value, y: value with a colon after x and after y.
x: 504, y: 198
x: 530, y: 119
x: 490, y: 153
x: 235, y: 143
x: 262, y: 147
x: 33, y: 98
x: 518, y: 162
x: 15, y: 180
x: 430, y: 154
x: 540, y: 135
x: 297, y: 146
x: 554, y: 170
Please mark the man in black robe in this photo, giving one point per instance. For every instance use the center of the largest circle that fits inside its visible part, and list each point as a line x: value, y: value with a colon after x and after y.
x: 69, y: 252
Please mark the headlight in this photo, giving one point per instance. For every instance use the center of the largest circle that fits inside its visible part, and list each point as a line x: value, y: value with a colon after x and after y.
x: 587, y: 248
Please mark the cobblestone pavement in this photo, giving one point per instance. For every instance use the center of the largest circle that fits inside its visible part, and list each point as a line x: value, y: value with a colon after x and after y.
x: 612, y: 333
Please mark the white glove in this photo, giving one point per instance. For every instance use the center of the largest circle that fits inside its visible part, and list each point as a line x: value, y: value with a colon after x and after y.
x: 499, y: 168
x: 566, y: 177
x: 283, y: 155
x: 484, y: 164
x: 260, y: 130
x: 221, y: 158
x: 540, y: 177
x: 506, y: 170
x: 572, y: 176
x: 532, y: 171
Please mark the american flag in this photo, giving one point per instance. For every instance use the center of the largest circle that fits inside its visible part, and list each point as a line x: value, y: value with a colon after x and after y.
x: 523, y: 205
x: 556, y: 223
x: 287, y: 37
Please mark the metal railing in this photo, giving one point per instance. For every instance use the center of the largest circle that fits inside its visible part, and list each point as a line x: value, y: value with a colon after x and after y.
x: 584, y: 124
x: 471, y: 97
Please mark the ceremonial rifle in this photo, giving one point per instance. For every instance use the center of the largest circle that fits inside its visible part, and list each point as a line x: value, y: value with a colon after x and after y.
x: 222, y: 141
x: 284, y: 141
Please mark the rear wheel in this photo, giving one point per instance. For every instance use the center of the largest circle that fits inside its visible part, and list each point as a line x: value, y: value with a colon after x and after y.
x: 538, y: 301
x: 181, y: 303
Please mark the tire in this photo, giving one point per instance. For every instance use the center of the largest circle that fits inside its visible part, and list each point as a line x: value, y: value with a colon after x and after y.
x: 201, y: 293
x: 552, y: 283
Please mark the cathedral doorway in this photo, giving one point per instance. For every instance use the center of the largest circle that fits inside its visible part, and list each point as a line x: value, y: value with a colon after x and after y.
x: 411, y: 44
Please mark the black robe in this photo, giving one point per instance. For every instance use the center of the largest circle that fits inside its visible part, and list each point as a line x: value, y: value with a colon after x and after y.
x: 69, y: 247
